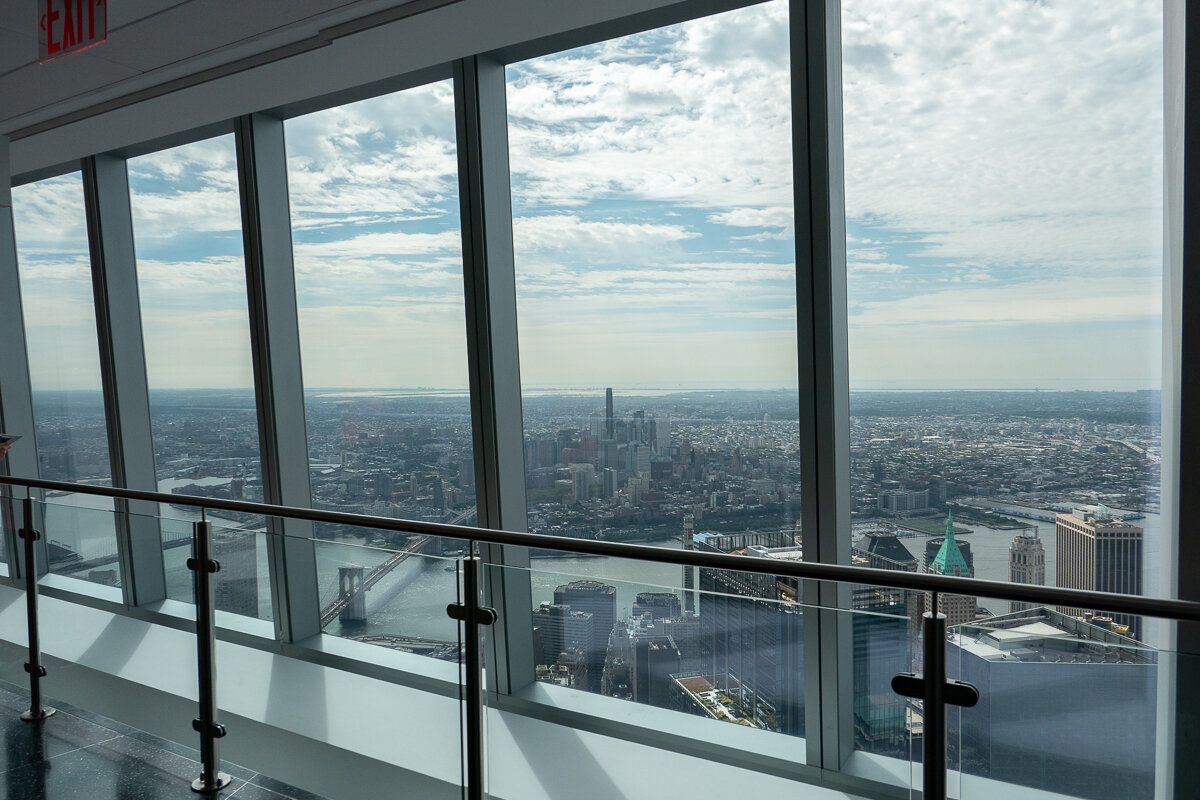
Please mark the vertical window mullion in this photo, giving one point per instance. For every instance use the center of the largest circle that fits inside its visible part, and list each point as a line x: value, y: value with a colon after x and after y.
x: 123, y: 374
x: 1179, y: 671
x: 490, y: 285
x: 822, y: 353
x: 16, y: 393
x: 278, y: 386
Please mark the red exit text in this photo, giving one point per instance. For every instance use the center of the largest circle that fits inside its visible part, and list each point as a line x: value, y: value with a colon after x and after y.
x: 67, y: 26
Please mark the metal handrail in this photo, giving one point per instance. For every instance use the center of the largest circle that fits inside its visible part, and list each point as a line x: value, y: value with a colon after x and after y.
x: 915, y: 581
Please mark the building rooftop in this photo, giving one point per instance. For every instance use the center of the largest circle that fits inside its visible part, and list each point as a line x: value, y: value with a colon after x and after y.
x: 1045, y: 635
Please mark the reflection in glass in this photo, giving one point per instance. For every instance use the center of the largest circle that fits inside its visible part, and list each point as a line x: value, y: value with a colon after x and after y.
x: 81, y: 539
x: 243, y: 585
x: 737, y: 657
x: 1065, y: 705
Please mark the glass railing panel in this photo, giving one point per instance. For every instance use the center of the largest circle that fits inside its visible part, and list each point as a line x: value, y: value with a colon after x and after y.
x: 728, y: 648
x: 1067, y: 705
x: 243, y: 584
x: 81, y: 536
x: 10, y: 521
x: 624, y: 641
x: 396, y: 602
x: 886, y: 640
x: 393, y: 595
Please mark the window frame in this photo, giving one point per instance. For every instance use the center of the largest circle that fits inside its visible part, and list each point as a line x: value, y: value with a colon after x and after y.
x: 486, y: 219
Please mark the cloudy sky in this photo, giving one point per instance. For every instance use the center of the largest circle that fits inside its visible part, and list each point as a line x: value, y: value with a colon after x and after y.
x: 1003, y: 199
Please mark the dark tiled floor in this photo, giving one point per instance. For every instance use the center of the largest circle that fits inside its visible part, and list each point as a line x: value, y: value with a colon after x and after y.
x: 76, y: 754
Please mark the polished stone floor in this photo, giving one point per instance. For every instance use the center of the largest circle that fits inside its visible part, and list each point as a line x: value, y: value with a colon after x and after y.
x: 75, y: 754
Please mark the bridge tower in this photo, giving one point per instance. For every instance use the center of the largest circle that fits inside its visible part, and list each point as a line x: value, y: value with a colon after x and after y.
x: 350, y: 584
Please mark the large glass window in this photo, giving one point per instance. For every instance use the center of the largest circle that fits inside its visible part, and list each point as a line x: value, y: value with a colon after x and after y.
x: 192, y: 285
x: 1004, y: 227
x: 195, y: 323
x: 373, y: 189
x: 64, y: 372
x: 657, y: 322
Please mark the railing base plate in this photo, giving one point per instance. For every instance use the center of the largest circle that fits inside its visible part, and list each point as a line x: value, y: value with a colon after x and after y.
x: 30, y: 716
x: 200, y: 786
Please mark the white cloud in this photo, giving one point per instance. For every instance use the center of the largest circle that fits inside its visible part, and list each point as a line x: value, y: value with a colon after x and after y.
x: 383, y: 245
x: 387, y: 158
x: 204, y: 347
x: 403, y: 344
x: 558, y: 236
x: 1006, y: 132
x: 697, y: 114
x: 188, y: 189
x: 48, y: 216
x: 1097, y: 354
x: 567, y: 351
x: 856, y: 267
x: 1049, y: 301
x: 189, y: 281
x: 1002, y: 162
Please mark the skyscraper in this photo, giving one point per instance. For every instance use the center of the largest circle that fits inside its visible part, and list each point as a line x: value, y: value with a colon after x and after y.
x: 1075, y: 679
x: 563, y: 630
x: 751, y: 640
x: 1099, y: 553
x: 658, y: 605
x: 581, y: 481
x: 1026, y: 562
x: 951, y: 560
x: 608, y: 414
x: 439, y: 493
x: 689, y: 573
x: 383, y: 485
x: 235, y: 587
x: 599, y: 600
x: 881, y: 647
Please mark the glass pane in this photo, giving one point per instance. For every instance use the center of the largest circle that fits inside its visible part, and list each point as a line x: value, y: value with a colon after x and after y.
x: 1004, y: 229
x: 192, y: 284
x: 885, y: 630
x: 656, y: 298
x: 656, y: 282
x: 64, y: 365
x: 81, y: 538
x: 729, y: 650
x: 243, y: 584
x: 729, y: 672
x: 1066, y: 706
x: 391, y: 595
x: 374, y: 197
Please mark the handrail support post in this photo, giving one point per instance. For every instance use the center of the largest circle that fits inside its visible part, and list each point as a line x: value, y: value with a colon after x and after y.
x: 202, y: 563
x: 37, y: 711
x: 473, y: 615
x: 935, y: 693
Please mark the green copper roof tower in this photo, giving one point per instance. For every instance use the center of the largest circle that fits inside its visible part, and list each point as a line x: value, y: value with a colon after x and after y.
x: 949, y: 560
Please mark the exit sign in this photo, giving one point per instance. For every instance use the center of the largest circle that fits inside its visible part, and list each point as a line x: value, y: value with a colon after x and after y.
x: 67, y: 26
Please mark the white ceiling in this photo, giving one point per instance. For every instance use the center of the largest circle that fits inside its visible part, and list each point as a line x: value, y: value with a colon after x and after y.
x: 149, y: 42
